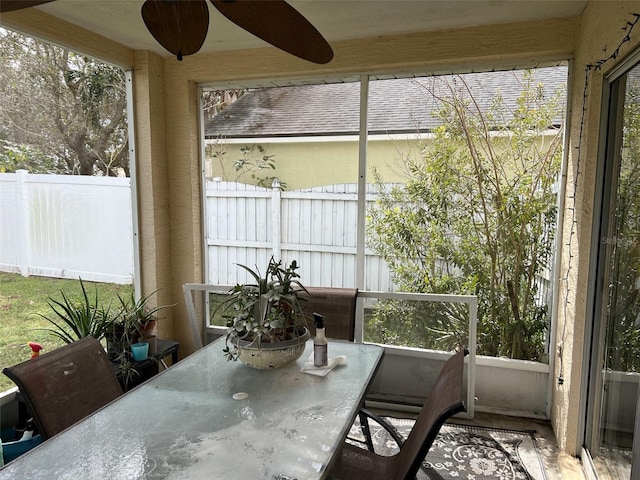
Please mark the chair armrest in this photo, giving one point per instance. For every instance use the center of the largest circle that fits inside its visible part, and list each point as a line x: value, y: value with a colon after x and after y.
x: 364, y: 416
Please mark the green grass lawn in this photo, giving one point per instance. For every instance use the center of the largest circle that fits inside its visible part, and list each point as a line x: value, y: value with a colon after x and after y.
x: 24, y: 299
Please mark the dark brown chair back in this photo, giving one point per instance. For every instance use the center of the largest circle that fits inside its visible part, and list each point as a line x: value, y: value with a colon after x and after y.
x: 337, y: 305
x: 62, y: 387
x: 445, y: 400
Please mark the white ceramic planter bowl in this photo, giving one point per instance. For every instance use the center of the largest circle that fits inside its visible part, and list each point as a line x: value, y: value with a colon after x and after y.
x: 271, y: 355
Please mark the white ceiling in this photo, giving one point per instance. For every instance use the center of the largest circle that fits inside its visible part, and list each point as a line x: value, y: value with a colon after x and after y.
x: 120, y: 20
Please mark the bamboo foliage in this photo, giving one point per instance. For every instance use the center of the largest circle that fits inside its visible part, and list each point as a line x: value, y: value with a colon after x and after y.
x: 477, y: 215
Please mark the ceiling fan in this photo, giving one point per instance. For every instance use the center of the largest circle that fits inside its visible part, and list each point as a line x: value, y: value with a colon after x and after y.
x: 181, y: 26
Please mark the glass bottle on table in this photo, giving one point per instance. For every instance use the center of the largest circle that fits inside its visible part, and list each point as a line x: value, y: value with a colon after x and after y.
x: 320, y: 358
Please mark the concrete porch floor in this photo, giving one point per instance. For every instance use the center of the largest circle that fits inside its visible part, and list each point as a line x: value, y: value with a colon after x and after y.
x: 557, y: 466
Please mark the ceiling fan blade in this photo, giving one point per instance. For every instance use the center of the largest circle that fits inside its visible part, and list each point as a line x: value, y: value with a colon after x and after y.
x: 278, y: 23
x: 180, y: 26
x: 10, y: 5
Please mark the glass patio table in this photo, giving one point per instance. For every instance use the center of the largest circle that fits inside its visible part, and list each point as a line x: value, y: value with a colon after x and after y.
x: 189, y: 422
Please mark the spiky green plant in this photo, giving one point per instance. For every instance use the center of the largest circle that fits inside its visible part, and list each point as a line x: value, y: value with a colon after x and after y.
x: 72, y: 320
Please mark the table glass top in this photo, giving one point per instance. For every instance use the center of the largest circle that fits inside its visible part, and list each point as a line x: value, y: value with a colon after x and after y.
x: 186, y: 424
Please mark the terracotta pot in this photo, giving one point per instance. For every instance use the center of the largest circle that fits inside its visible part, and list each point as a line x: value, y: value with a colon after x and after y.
x: 150, y: 329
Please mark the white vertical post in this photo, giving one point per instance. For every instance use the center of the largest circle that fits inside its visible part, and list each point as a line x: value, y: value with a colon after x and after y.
x: 362, y: 202
x: 276, y: 221
x: 204, y: 200
x: 471, y: 372
x: 635, y: 464
x: 362, y: 183
x: 23, y: 232
x: 133, y: 182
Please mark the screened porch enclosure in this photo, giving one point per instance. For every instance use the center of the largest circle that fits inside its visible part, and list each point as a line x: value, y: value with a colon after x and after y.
x: 597, y: 38
x: 285, y: 175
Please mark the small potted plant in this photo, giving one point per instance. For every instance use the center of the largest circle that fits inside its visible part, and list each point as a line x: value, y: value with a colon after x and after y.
x: 137, y: 317
x: 266, y: 324
x: 135, y: 321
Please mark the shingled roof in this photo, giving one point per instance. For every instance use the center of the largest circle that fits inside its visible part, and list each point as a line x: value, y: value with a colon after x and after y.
x: 395, y: 106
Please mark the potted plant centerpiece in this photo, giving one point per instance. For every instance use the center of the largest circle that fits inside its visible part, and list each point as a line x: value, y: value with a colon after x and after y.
x: 266, y: 324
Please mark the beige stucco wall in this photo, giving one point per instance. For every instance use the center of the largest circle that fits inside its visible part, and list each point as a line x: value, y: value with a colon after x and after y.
x: 152, y: 183
x: 600, y: 33
x: 168, y: 145
x: 308, y: 164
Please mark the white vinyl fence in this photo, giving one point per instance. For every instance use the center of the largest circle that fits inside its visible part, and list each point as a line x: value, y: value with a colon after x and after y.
x: 79, y: 226
x: 66, y: 226
x: 316, y: 227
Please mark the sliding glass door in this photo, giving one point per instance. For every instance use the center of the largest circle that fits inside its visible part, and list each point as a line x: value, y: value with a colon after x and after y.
x: 611, y: 424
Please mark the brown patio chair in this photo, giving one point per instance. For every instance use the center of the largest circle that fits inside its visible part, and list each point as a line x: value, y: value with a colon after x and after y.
x: 338, y: 305
x: 445, y: 400
x: 62, y: 387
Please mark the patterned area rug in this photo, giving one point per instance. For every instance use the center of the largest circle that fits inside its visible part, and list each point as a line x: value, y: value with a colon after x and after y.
x: 463, y: 452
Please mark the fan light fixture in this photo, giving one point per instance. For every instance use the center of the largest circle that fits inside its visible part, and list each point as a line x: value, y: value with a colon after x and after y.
x: 181, y: 26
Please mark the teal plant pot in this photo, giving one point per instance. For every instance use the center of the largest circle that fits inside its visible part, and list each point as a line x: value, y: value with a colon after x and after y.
x: 140, y: 351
